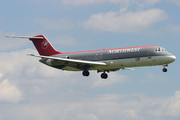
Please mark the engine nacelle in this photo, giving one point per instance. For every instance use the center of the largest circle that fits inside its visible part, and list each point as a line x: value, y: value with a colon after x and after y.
x: 46, y: 61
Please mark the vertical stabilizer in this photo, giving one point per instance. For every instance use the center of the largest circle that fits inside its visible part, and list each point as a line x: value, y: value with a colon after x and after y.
x: 43, y: 46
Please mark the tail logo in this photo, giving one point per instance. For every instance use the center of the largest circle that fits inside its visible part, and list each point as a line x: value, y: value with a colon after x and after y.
x: 44, y: 44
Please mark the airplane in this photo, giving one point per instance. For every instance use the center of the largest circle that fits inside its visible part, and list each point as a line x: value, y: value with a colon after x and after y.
x: 105, y: 60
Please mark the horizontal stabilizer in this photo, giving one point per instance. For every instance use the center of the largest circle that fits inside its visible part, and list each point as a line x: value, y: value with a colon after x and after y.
x: 25, y: 37
x: 42, y: 45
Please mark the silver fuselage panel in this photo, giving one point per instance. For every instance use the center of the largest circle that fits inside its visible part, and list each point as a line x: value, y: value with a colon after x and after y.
x: 114, y: 58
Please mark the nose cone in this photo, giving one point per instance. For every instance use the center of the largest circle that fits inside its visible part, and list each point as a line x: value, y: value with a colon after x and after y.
x: 171, y: 58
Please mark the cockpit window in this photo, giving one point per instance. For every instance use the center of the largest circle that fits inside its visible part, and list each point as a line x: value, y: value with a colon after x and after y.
x: 160, y: 49
x: 163, y: 49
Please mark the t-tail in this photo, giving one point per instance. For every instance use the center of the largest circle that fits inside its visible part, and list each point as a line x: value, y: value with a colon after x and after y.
x: 42, y: 45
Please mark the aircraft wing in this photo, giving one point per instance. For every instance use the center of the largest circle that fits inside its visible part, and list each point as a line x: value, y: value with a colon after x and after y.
x: 84, y: 62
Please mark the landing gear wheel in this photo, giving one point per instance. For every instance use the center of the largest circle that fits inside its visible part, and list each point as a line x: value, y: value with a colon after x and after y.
x: 164, y: 70
x: 104, y: 76
x: 85, y: 73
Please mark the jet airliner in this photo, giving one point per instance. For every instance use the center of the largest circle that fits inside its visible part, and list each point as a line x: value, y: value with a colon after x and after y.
x: 104, y: 61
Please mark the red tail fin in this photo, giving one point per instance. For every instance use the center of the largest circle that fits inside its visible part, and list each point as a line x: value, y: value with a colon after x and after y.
x: 43, y: 46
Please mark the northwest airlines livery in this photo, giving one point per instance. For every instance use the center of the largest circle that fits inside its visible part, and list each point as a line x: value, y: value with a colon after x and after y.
x: 105, y: 60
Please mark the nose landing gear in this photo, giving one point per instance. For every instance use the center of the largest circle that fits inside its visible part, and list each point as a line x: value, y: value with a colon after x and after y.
x: 165, y: 69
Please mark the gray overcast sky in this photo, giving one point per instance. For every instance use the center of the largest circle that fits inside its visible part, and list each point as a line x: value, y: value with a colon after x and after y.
x: 30, y: 90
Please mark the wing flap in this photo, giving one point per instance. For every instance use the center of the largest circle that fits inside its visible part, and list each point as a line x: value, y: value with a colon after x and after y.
x: 70, y: 60
x: 128, y: 69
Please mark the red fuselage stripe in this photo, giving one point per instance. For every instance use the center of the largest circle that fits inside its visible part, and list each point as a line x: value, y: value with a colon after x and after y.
x: 108, y: 49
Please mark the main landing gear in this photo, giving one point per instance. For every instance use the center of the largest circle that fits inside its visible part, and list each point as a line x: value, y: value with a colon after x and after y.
x: 165, y: 69
x: 85, y: 73
x: 103, y: 75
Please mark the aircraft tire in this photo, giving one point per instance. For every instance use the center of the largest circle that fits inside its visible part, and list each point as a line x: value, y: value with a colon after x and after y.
x: 164, y: 70
x: 85, y: 73
x: 104, y: 76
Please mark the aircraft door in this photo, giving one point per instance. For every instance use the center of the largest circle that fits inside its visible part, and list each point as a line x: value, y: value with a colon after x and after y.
x: 96, y: 56
x: 100, y: 56
x: 149, y: 54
